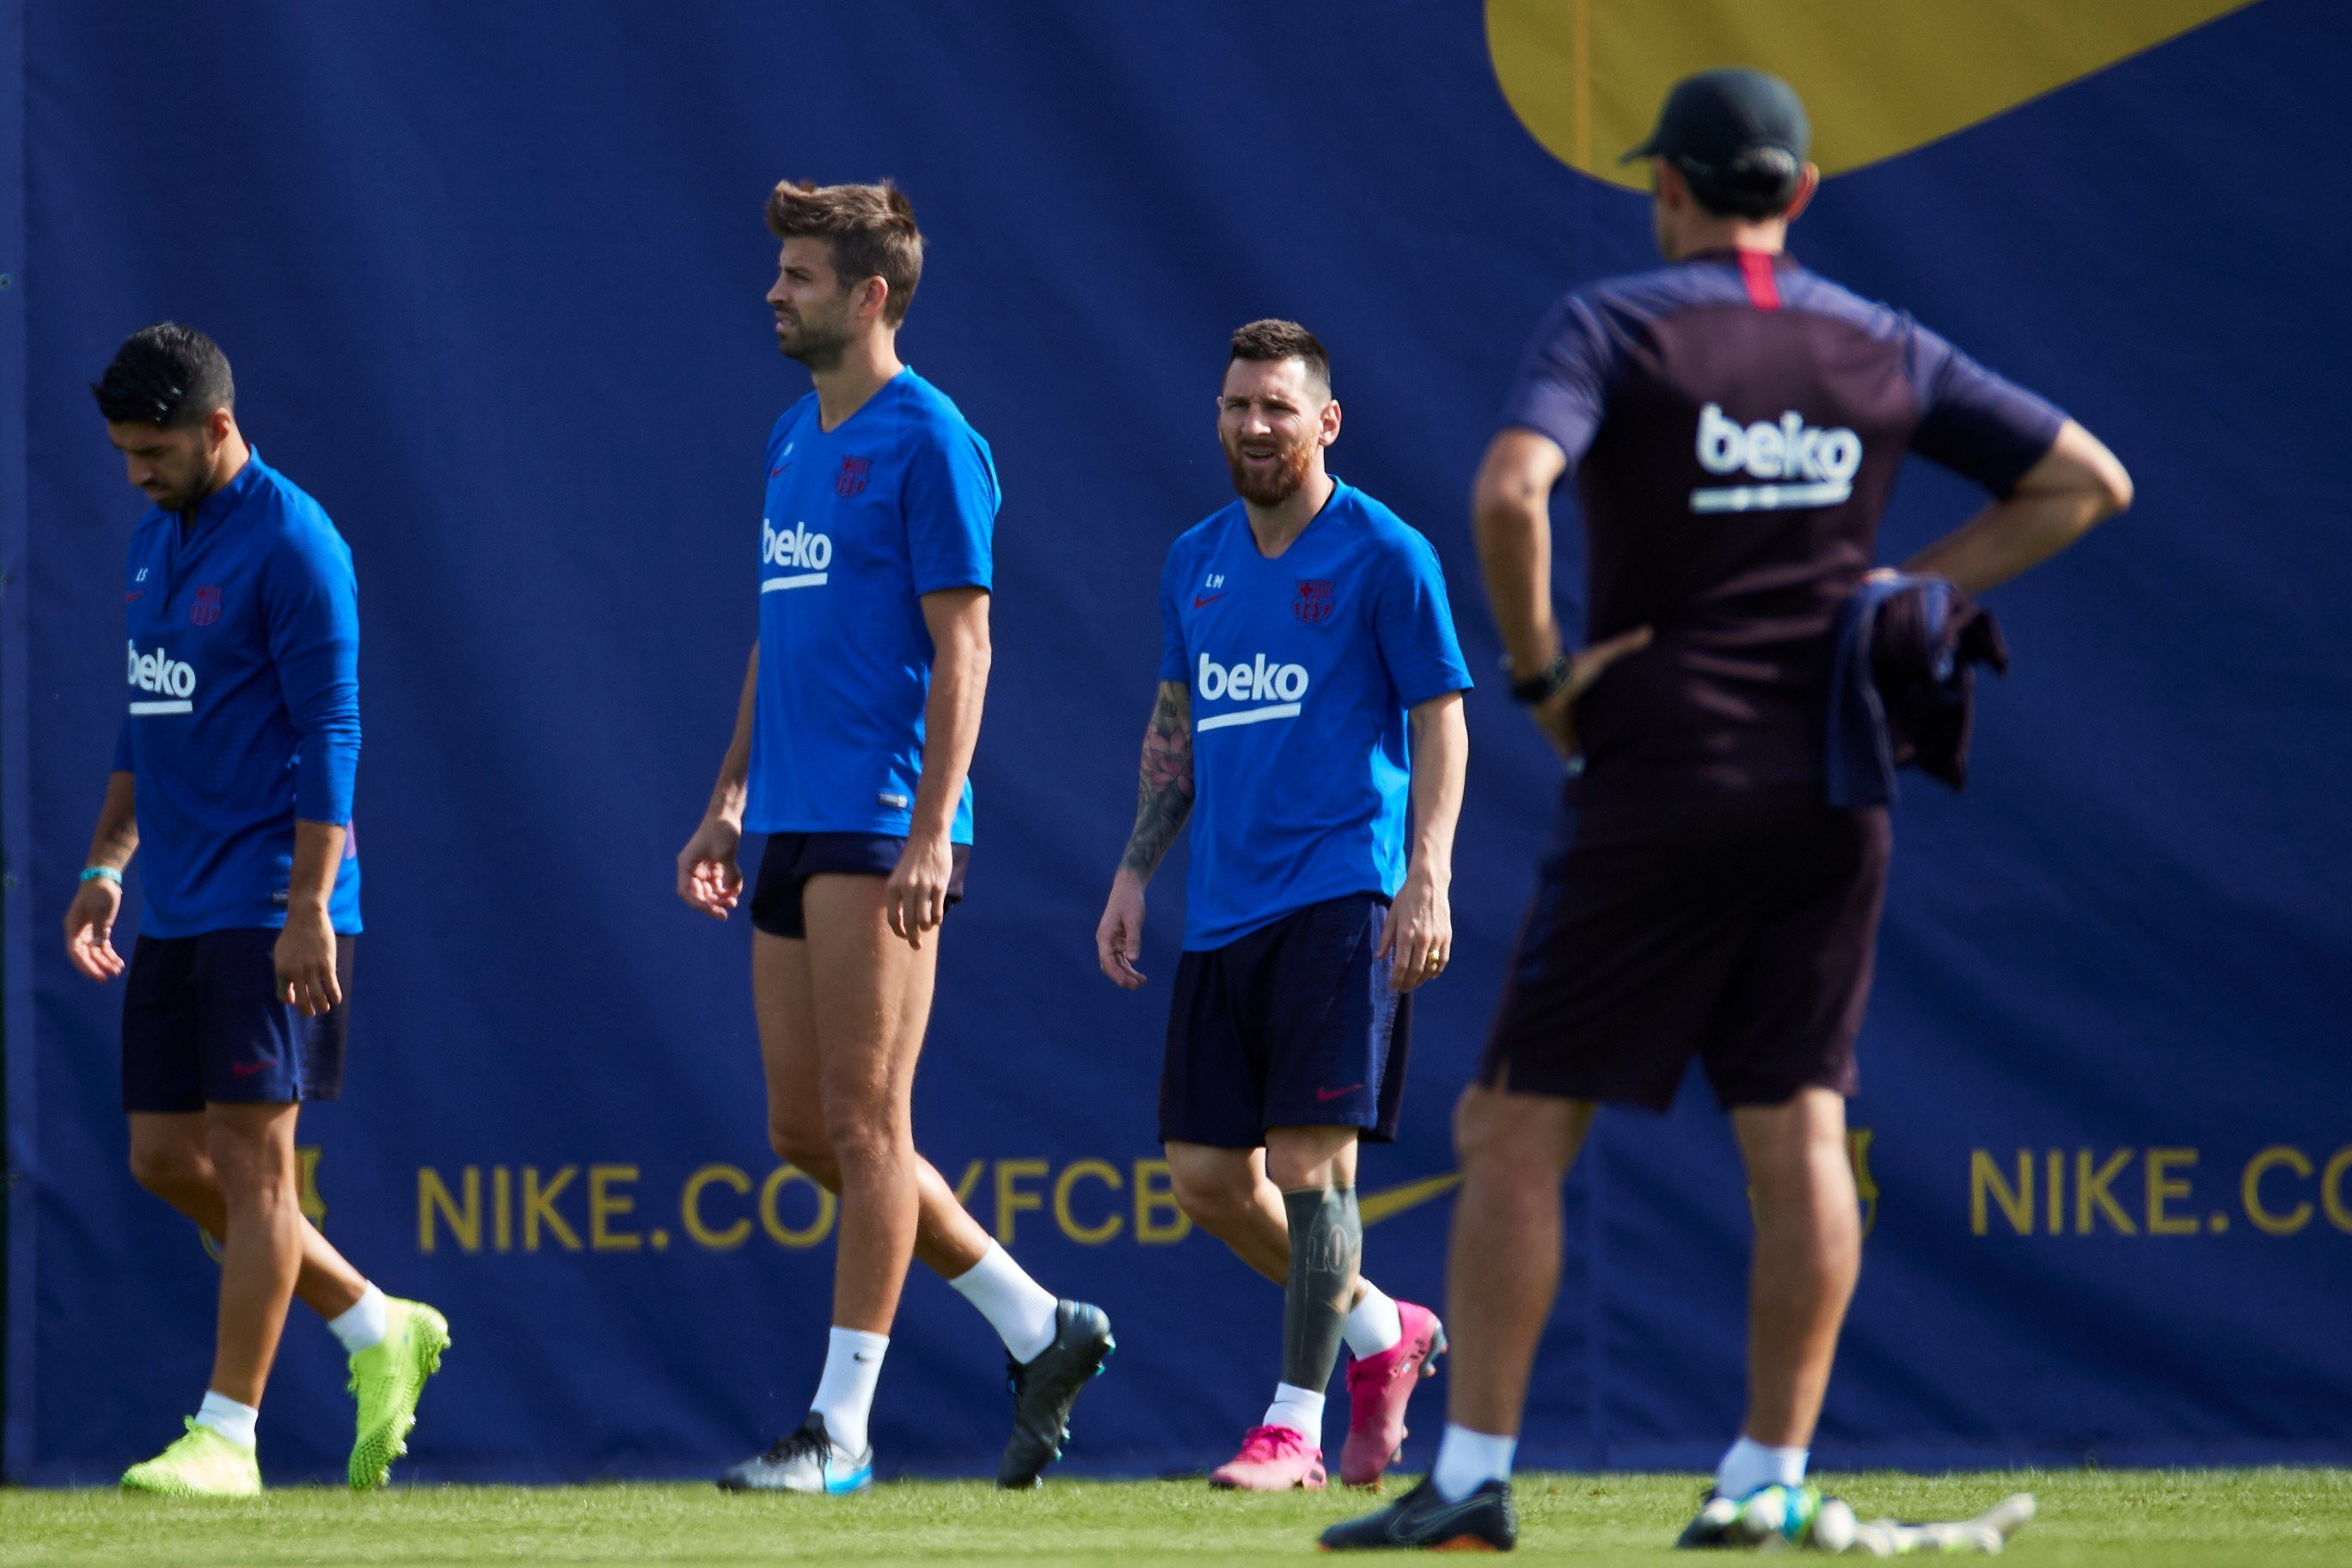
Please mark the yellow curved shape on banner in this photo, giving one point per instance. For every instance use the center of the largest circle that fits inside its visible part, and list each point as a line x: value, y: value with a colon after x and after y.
x: 1878, y: 77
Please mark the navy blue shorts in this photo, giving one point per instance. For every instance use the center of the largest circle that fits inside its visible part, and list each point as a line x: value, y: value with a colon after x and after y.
x: 1291, y: 1026
x: 792, y: 858
x: 1742, y: 934
x: 202, y: 1025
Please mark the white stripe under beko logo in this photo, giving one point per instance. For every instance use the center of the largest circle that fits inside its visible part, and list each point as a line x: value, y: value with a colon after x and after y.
x: 1821, y: 462
x: 167, y: 677
x: 1253, y: 682
x: 795, y: 546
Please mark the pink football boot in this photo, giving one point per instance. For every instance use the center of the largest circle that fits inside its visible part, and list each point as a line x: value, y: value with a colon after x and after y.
x: 1377, y: 1389
x: 1272, y: 1459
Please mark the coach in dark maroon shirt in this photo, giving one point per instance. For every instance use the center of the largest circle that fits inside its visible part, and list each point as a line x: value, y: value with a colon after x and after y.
x: 1734, y: 424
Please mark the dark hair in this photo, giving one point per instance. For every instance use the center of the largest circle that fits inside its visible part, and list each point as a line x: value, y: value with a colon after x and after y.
x: 1270, y: 339
x: 165, y: 374
x: 872, y: 230
x: 1758, y: 183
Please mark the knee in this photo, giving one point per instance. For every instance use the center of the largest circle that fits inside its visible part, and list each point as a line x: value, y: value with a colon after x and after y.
x: 864, y: 1137
x: 1215, y: 1200
x: 798, y: 1144
x: 169, y: 1169
x: 249, y: 1167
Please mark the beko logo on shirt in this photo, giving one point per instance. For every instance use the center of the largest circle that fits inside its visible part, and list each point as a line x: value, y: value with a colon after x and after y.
x: 796, y: 549
x: 161, y: 673
x: 1278, y: 685
x: 1821, y: 462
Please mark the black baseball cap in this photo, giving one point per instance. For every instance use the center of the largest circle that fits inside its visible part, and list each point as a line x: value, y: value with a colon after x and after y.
x: 1733, y: 134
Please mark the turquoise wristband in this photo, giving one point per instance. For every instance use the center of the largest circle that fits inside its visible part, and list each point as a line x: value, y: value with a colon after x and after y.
x: 92, y: 873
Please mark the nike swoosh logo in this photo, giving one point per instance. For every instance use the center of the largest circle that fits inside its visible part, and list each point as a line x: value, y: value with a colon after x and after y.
x: 774, y: 472
x: 1390, y: 1202
x: 247, y: 1069
x: 128, y: 597
x: 1440, y: 1517
x: 1212, y: 599
x: 1328, y: 1094
x: 859, y: 1356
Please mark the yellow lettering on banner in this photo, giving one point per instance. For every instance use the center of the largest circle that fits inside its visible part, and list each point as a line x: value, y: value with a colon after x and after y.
x: 1985, y: 1180
x: 605, y: 1205
x: 2159, y: 1163
x: 501, y: 1208
x: 2055, y: 1195
x: 817, y: 1230
x: 971, y: 1181
x: 690, y: 1208
x: 538, y: 1207
x: 2091, y: 1192
x: 1155, y: 1193
x: 464, y: 1223
x: 1086, y: 1234
x: 2331, y: 1189
x: 1009, y: 1199
x: 2249, y: 1191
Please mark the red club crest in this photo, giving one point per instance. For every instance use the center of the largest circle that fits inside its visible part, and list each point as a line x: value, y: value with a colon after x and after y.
x: 206, y: 608
x: 1317, y: 597
x: 852, y: 478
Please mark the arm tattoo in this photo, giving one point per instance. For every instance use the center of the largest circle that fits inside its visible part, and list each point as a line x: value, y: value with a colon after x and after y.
x: 1163, y: 793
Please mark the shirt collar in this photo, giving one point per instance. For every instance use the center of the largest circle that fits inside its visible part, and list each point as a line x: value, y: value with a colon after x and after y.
x: 232, y: 495
x: 1730, y: 255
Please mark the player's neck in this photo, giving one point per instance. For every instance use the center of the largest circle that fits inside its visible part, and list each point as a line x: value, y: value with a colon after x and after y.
x: 1770, y: 236
x: 867, y: 365
x: 227, y: 464
x: 1277, y: 527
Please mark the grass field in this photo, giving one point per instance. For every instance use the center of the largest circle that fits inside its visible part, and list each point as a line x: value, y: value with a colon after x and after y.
x: 2154, y: 1517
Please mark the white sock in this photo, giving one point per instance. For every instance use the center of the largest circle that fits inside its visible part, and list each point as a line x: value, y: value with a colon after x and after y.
x: 1373, y: 1325
x: 226, y: 1416
x: 1467, y: 1460
x: 1020, y: 1310
x: 1749, y: 1463
x: 1300, y: 1409
x: 844, y: 1394
x: 363, y: 1327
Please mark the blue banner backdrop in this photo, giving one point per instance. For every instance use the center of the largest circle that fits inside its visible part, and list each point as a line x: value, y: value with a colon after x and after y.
x: 491, y: 279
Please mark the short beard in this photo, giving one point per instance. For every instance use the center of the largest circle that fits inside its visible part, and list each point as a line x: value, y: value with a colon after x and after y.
x: 1272, y: 489
x: 816, y: 347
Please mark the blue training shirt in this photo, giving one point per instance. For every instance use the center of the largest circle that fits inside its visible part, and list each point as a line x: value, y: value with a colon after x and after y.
x: 1301, y: 668
x: 244, y: 702
x: 861, y: 522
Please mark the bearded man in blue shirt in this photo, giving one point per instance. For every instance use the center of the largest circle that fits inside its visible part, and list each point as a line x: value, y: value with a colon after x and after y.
x: 233, y: 771
x: 853, y: 743
x: 1310, y: 691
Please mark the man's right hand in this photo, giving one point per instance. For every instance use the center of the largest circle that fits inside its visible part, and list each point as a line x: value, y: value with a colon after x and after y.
x: 90, y: 929
x: 707, y: 875
x: 1119, y: 940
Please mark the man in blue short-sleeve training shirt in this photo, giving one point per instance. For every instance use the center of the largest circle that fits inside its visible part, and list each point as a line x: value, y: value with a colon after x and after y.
x: 1309, y: 725
x: 233, y: 771
x: 1734, y: 424
x: 853, y: 741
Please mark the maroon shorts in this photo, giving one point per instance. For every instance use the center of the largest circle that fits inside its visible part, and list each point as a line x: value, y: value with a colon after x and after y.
x: 1740, y: 933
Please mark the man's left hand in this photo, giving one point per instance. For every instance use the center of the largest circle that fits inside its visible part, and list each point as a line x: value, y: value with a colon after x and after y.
x: 1418, y: 936
x: 915, y: 900
x: 305, y: 959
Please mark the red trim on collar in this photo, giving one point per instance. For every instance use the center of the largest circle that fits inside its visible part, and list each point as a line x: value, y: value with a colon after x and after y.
x: 1756, y: 271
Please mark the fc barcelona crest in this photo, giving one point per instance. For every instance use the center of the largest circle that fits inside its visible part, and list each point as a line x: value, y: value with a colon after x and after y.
x: 1317, y: 597
x: 852, y: 478
x: 206, y: 608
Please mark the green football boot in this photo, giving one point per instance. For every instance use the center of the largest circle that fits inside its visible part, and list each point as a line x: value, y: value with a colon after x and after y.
x: 201, y: 1464
x: 389, y: 1379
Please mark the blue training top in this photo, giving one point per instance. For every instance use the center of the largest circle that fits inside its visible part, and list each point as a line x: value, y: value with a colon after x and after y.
x: 862, y: 521
x: 244, y: 702
x: 1302, y: 669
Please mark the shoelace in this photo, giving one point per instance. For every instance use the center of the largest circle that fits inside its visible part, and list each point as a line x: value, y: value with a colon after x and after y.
x: 1276, y: 1441
x: 794, y: 1444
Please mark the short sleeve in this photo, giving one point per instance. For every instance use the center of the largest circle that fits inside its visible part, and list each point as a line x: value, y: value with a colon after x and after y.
x: 1563, y: 380
x: 1175, y: 661
x: 1414, y: 626
x: 951, y: 503
x: 1973, y: 422
x: 122, y: 763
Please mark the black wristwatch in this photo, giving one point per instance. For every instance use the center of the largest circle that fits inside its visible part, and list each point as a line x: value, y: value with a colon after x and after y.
x: 1541, y: 686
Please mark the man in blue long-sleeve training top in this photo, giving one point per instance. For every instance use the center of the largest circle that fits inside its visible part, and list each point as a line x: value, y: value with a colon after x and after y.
x: 234, y: 771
